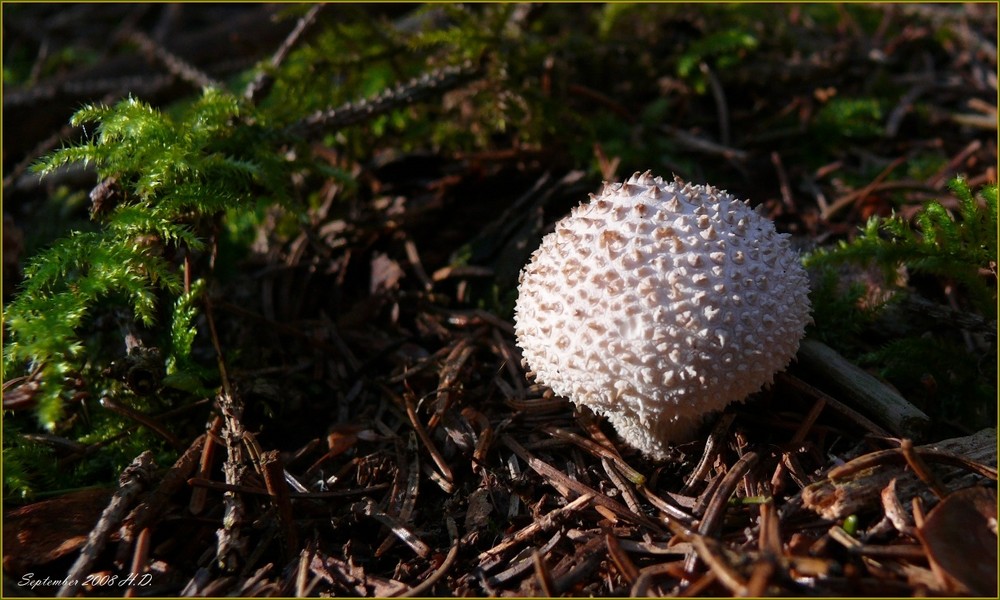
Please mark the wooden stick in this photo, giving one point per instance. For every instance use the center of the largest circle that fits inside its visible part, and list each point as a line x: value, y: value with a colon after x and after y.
x: 133, y: 480
x: 858, y: 485
x: 885, y: 404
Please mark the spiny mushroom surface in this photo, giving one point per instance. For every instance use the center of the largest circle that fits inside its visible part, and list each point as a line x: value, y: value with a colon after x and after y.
x: 657, y: 303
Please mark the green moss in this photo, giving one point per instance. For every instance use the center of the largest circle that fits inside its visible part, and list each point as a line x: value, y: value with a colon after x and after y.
x: 952, y: 248
x: 852, y: 118
x: 941, y: 376
x: 723, y: 49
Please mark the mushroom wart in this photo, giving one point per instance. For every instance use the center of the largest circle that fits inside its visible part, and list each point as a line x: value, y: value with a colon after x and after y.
x: 657, y: 303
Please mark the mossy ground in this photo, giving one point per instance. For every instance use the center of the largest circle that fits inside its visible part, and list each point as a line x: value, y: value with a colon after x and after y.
x: 332, y: 305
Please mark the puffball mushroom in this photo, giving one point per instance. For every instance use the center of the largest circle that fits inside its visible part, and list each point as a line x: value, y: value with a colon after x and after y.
x: 657, y: 303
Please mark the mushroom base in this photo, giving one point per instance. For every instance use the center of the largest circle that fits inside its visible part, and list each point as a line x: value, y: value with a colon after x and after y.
x: 653, y: 436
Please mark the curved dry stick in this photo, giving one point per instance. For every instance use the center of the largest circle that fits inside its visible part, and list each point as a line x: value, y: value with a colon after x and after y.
x: 712, y: 521
x: 424, y: 586
x: 175, y: 65
x: 712, y: 447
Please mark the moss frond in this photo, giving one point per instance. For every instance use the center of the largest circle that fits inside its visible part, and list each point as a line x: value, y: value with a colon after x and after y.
x: 170, y: 173
x: 957, y: 248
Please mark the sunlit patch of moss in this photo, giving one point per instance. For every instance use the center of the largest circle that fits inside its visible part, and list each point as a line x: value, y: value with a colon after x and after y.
x: 854, y: 118
x: 723, y: 49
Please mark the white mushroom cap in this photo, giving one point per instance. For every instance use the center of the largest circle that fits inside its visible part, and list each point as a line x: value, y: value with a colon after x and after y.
x: 658, y: 303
